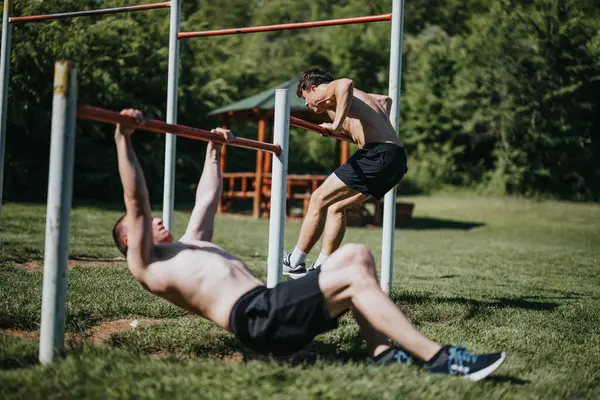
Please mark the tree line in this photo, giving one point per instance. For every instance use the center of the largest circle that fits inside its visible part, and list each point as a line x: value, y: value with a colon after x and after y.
x: 501, y: 96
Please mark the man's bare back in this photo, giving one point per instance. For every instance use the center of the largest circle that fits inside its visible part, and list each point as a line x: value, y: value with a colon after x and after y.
x: 368, y: 119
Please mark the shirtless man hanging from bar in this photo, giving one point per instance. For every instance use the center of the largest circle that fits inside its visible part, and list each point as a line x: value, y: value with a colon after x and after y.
x: 202, y: 278
x: 376, y: 167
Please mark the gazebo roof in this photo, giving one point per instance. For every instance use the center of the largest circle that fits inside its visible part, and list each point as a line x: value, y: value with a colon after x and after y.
x: 264, y: 100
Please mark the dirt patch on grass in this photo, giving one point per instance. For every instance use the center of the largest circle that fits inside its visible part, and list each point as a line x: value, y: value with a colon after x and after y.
x: 235, y: 358
x: 27, y: 335
x: 32, y: 266
x: 101, y: 333
x: 98, y: 334
x: 78, y: 262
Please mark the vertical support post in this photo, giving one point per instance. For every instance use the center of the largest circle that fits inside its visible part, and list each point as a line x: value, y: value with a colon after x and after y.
x: 345, y: 152
x: 223, y: 163
x: 62, y: 147
x: 281, y: 134
x: 389, y: 210
x: 268, y: 156
x: 258, y: 174
x: 171, y: 140
x: 4, y: 72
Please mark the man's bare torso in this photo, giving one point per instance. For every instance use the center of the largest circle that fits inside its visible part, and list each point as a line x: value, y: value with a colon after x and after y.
x: 200, y: 277
x: 367, y: 120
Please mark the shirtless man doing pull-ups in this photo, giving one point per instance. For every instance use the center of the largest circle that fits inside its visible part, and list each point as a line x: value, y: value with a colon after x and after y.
x: 206, y: 280
x: 376, y: 167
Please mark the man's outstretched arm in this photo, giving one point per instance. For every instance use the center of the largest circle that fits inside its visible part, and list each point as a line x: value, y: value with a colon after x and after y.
x: 208, y: 193
x: 138, y: 219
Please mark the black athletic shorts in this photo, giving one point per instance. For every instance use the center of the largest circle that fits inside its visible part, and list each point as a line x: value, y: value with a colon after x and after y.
x: 282, y: 320
x: 375, y: 169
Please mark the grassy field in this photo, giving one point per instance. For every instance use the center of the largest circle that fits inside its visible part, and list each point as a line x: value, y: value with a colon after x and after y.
x: 494, y: 274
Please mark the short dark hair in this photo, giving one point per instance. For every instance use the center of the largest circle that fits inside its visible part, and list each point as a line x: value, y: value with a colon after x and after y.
x: 313, y: 76
x: 119, y: 230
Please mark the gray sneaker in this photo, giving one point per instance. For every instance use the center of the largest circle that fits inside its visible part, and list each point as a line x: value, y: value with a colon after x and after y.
x: 297, y: 272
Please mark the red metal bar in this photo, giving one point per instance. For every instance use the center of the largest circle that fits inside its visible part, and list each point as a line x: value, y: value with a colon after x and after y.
x: 102, y: 11
x: 300, y: 123
x: 283, y: 27
x: 112, y: 117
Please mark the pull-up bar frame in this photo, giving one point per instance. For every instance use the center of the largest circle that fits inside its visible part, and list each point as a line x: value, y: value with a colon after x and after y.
x: 300, y: 123
x: 394, y: 90
x: 7, y: 22
x: 60, y: 181
x: 102, y: 11
x: 287, y: 27
x: 153, y: 125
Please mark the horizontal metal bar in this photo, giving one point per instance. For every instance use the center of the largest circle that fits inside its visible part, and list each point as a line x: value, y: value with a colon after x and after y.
x: 112, y: 117
x: 283, y: 27
x: 45, y: 17
x: 300, y: 123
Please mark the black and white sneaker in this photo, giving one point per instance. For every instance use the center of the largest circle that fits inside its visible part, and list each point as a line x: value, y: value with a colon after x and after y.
x: 296, y: 272
x: 312, y: 268
x: 456, y: 361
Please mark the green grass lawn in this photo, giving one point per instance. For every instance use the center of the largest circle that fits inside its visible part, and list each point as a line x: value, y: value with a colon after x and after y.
x: 492, y: 273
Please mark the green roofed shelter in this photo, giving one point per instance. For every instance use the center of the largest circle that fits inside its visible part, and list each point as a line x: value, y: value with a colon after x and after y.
x: 260, y: 107
x: 262, y: 104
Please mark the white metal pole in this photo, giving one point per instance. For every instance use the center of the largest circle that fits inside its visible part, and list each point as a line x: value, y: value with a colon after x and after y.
x: 281, y: 132
x: 4, y: 71
x: 389, y: 208
x: 171, y: 140
x: 60, y: 182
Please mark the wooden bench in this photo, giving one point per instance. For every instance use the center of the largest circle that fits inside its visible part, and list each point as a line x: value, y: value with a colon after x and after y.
x: 242, y: 186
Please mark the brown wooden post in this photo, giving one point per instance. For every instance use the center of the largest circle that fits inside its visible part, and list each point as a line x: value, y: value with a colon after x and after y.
x: 264, y: 206
x: 262, y: 124
x: 223, y: 158
x: 267, y: 165
x: 268, y: 156
x: 223, y: 161
x: 345, y: 153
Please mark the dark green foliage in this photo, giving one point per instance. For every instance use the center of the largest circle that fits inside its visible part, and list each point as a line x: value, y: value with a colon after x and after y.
x: 499, y: 95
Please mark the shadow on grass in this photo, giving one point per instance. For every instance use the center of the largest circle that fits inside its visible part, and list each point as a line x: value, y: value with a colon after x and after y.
x: 322, y: 351
x: 523, y: 303
x: 477, y: 306
x: 20, y: 361
x: 429, y: 223
x: 351, y: 350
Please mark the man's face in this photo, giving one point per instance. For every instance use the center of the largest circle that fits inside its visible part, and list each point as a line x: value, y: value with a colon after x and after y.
x: 309, y: 96
x: 160, y: 234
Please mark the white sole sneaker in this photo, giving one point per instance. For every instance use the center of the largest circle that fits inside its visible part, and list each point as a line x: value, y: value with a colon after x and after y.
x: 482, y: 373
x: 294, y: 275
